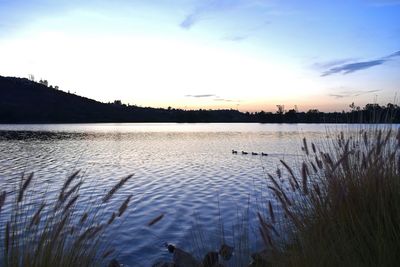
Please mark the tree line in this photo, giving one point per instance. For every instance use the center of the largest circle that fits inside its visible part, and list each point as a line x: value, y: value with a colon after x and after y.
x: 26, y: 101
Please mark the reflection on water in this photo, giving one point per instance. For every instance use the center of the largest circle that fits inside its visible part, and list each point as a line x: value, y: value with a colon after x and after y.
x: 185, y: 171
x: 171, y: 127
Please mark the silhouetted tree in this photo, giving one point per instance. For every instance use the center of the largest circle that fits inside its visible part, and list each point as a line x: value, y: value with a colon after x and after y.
x: 291, y: 116
x: 44, y: 82
x: 281, y: 109
x: 353, y: 107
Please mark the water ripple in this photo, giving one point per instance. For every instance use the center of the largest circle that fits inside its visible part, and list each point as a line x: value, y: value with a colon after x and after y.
x: 191, y: 176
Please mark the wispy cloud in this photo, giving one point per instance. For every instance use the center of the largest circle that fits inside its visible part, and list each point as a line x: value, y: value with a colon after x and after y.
x: 235, y: 38
x: 206, y: 7
x: 246, y: 33
x: 332, y: 63
x: 352, y: 93
x: 214, y: 97
x: 353, y: 67
x: 395, y: 54
x: 201, y: 96
x: 190, y: 19
x: 225, y: 100
x: 347, y: 68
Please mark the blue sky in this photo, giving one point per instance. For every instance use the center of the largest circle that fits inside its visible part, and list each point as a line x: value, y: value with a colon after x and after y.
x: 246, y: 54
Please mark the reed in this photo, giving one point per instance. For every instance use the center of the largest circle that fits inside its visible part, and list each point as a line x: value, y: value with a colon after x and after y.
x: 2, y: 199
x: 346, y: 212
x: 61, y: 231
x: 155, y: 220
x: 116, y: 188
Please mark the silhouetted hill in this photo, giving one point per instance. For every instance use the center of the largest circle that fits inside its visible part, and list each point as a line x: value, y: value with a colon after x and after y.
x: 25, y: 101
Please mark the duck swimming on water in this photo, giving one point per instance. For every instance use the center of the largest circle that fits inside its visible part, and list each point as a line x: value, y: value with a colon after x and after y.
x: 264, y: 154
x: 234, y: 151
x: 244, y: 153
x: 254, y: 153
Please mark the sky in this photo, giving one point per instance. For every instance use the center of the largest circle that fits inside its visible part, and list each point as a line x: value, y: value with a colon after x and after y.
x: 249, y: 55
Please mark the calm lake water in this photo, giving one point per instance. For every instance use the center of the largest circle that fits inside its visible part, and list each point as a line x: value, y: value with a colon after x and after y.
x: 185, y: 171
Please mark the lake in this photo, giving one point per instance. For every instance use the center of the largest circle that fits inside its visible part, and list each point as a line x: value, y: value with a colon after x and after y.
x: 185, y: 171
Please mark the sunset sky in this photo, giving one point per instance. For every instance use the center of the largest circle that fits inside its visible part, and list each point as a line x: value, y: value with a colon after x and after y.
x: 246, y: 54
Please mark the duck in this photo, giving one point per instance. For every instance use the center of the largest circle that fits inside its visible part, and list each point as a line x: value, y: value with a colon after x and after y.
x: 234, y: 151
x: 254, y: 153
x: 244, y: 153
x: 264, y: 154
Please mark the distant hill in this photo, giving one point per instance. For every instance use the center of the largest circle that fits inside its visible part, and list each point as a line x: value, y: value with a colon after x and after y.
x: 26, y: 101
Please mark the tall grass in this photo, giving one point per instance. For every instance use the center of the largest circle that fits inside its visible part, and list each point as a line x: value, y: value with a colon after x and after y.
x: 230, y: 241
x: 341, y: 207
x: 41, y: 231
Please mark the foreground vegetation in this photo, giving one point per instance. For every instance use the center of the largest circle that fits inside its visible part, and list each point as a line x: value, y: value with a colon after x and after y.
x: 341, y: 208
x: 58, y: 231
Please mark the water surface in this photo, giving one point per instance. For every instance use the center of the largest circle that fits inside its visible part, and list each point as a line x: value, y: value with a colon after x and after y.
x: 185, y: 171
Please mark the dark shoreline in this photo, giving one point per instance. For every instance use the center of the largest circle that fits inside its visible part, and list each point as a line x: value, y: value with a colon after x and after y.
x: 23, y: 101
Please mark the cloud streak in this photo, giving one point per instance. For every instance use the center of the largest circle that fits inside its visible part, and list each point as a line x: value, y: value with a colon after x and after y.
x: 348, y: 68
x: 332, y: 63
x: 225, y: 100
x: 207, y: 7
x: 236, y: 38
x: 245, y: 33
x: 201, y: 96
x: 215, y: 97
x: 351, y: 93
x: 189, y: 21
